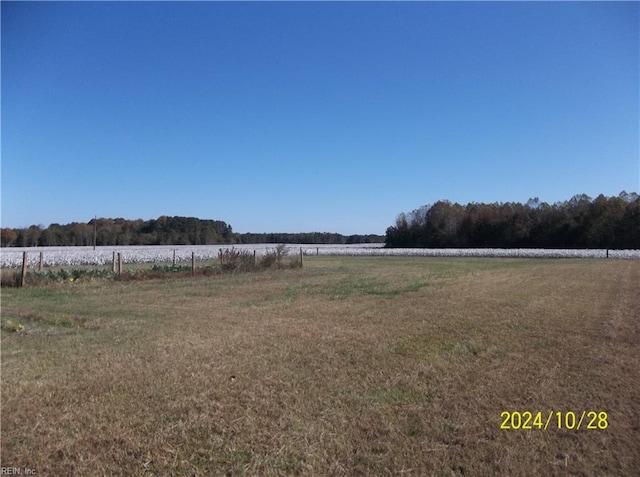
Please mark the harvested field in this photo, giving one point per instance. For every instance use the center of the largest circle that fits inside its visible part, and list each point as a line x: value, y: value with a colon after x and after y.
x: 351, y: 366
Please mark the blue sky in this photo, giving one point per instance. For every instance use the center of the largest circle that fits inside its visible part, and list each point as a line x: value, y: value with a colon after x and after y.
x: 296, y: 116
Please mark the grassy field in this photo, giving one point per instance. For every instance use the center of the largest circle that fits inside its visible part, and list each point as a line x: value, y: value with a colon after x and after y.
x: 351, y: 366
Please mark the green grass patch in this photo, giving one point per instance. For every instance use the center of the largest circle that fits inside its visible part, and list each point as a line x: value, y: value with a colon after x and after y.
x: 401, y: 393
x: 351, y: 286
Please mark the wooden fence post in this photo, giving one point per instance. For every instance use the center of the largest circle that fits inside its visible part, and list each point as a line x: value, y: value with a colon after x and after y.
x: 23, y: 278
x: 174, y: 258
x: 193, y: 264
x: 41, y: 261
x: 113, y: 262
x: 254, y: 259
x: 301, y: 259
x: 317, y: 251
x: 607, y: 253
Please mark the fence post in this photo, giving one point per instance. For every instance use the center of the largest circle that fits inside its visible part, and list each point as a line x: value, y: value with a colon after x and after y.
x: 119, y: 263
x: 23, y: 277
x: 301, y: 259
x: 174, y: 258
x: 193, y: 263
x: 254, y: 259
x: 41, y: 261
x: 317, y: 251
x: 607, y: 253
x: 113, y: 262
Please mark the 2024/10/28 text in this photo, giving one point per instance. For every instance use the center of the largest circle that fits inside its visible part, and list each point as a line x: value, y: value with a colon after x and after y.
x: 526, y: 420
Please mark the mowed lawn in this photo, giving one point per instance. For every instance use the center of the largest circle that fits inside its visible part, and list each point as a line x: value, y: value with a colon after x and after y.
x: 351, y: 366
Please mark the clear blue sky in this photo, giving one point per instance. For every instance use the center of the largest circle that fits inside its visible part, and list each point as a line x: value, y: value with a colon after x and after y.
x: 292, y: 117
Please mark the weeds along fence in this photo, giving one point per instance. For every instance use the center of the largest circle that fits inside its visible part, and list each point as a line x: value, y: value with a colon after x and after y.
x: 132, y: 255
x: 226, y: 260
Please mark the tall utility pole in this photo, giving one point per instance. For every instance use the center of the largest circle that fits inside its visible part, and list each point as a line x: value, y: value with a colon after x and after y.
x: 95, y: 231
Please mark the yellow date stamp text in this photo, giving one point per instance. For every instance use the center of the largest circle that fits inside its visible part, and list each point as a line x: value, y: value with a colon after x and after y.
x: 525, y: 420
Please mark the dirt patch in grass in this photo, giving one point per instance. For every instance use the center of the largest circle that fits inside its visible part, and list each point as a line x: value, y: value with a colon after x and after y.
x: 352, y: 366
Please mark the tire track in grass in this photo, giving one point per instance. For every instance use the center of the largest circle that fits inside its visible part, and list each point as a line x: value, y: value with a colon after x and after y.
x: 617, y: 364
x: 619, y: 324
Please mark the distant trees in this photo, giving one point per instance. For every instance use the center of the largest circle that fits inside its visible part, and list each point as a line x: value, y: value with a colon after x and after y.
x: 21, y: 237
x: 161, y: 231
x: 581, y: 222
x: 8, y: 237
x: 183, y: 231
x: 308, y: 238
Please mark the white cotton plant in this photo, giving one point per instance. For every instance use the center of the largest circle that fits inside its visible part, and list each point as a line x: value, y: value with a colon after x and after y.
x: 76, y: 256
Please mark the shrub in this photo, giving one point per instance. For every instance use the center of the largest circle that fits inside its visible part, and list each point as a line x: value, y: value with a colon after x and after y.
x: 275, y: 259
x: 10, y: 278
x: 232, y: 260
x: 70, y: 275
x: 171, y: 268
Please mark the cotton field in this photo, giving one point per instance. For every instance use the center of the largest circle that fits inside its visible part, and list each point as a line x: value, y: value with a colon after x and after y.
x: 73, y: 256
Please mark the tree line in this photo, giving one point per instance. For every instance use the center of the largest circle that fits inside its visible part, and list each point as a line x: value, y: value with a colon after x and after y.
x: 161, y: 231
x: 308, y: 238
x: 581, y: 222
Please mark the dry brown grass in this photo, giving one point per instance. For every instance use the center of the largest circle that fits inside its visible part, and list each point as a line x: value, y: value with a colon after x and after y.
x: 352, y: 366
